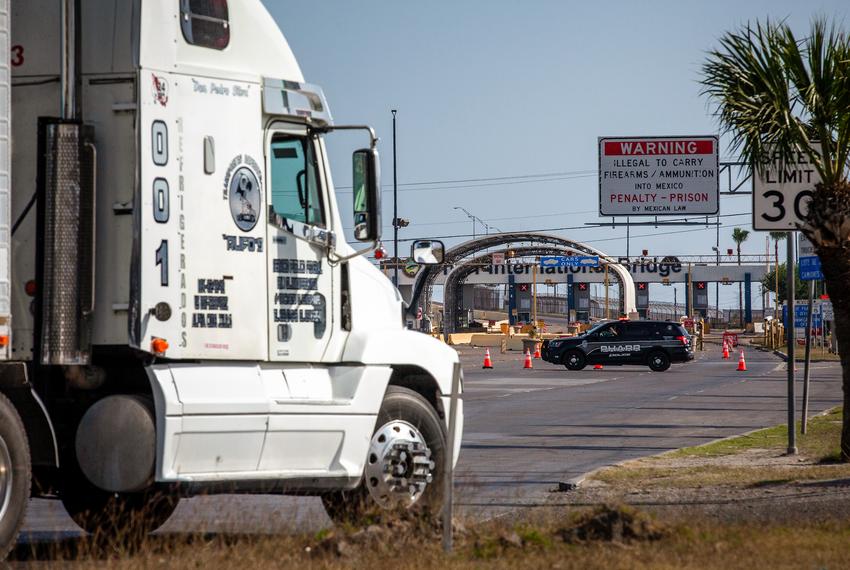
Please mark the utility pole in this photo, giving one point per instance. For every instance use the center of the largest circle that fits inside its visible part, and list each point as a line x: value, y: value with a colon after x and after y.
x: 675, y: 304
x: 717, y: 285
x: 395, y: 209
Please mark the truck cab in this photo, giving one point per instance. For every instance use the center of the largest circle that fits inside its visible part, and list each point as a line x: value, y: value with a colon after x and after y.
x: 179, y: 309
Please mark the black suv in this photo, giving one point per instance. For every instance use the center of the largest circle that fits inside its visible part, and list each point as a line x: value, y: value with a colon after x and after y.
x: 653, y: 343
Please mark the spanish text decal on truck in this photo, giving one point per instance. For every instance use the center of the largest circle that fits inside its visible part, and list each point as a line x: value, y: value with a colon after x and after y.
x: 179, y: 310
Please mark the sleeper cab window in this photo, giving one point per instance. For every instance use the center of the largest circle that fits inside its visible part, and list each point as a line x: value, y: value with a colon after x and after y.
x: 205, y: 23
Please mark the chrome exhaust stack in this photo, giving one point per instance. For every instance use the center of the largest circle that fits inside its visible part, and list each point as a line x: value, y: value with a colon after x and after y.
x: 66, y: 218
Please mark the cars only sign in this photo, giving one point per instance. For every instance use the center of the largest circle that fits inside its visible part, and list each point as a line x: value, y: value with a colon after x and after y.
x: 658, y: 176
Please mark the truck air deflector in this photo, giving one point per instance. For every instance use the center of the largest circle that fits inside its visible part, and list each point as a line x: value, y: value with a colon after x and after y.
x: 293, y: 99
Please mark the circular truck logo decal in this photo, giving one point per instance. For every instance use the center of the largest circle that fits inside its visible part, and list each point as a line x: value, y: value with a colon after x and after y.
x: 243, y: 191
x: 245, y: 198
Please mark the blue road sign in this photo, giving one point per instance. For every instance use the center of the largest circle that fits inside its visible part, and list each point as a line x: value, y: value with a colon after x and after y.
x: 810, y: 268
x: 800, y: 314
x: 569, y: 261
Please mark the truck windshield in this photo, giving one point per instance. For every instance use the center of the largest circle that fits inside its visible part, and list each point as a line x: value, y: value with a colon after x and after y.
x: 295, y: 192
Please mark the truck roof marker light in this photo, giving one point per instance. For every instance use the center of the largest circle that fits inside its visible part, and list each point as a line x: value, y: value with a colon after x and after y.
x: 159, y: 346
x: 294, y: 99
x: 31, y: 288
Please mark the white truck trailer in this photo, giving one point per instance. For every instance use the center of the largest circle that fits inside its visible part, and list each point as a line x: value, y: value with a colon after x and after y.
x: 179, y: 310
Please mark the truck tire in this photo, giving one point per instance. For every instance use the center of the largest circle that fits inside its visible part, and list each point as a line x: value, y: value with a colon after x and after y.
x: 575, y: 360
x: 658, y: 361
x: 120, y: 516
x: 15, y: 475
x: 409, y: 440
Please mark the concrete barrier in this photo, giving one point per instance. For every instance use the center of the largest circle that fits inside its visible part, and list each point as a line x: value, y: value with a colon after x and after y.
x: 488, y: 340
x: 460, y: 338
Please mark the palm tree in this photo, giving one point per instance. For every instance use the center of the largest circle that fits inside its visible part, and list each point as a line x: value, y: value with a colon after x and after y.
x: 739, y: 236
x: 776, y: 236
x: 779, y: 94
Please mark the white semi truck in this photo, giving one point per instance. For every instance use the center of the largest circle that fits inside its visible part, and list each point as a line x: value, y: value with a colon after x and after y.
x: 179, y: 310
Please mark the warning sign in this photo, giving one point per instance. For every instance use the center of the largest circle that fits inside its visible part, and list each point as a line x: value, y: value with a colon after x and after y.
x: 658, y: 176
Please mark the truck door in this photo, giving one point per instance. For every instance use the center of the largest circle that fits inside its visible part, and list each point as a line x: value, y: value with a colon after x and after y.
x: 300, y: 278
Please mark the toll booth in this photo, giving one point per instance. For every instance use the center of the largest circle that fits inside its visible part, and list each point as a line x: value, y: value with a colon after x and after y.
x: 581, y: 298
x: 523, y: 302
x: 642, y: 298
x: 701, y: 298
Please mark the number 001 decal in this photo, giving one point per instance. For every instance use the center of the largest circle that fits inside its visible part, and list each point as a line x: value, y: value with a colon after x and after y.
x: 162, y: 261
x: 160, y: 200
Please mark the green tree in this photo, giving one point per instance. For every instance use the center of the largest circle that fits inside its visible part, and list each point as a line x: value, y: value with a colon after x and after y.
x: 776, y: 237
x: 769, y: 282
x: 780, y: 95
x: 739, y: 236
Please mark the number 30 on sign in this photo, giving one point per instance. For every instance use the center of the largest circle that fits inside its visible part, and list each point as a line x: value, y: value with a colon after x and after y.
x: 781, y: 193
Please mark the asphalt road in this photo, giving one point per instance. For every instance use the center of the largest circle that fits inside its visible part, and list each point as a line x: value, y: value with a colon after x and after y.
x: 528, y: 430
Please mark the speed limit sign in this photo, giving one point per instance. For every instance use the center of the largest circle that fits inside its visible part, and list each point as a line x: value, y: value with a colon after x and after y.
x: 781, y: 193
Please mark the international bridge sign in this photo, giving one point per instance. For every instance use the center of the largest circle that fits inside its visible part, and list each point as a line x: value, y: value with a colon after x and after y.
x: 658, y: 176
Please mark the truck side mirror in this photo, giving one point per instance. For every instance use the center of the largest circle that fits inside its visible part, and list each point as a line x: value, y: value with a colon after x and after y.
x: 427, y: 251
x: 367, y: 194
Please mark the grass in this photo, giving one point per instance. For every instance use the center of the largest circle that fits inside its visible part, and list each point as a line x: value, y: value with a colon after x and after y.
x: 820, y: 441
x: 560, y: 537
x: 611, y: 538
x: 818, y: 355
x: 694, y: 467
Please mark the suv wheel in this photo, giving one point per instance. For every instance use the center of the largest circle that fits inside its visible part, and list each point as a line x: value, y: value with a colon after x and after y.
x: 658, y: 361
x: 575, y: 360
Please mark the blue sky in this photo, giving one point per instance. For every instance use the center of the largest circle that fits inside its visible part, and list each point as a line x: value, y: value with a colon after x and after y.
x: 498, y: 88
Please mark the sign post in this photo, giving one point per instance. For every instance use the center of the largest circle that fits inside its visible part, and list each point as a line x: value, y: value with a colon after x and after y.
x: 791, y: 342
x: 806, y: 366
x: 810, y: 270
x: 658, y: 176
x: 782, y: 189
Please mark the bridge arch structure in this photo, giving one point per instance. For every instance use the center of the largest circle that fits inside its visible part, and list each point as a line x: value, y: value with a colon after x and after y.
x: 464, y: 261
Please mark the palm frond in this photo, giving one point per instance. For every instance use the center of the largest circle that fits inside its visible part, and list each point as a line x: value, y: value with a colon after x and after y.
x: 777, y: 95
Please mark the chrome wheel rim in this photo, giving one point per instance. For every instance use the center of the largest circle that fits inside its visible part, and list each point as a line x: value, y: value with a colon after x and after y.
x: 5, y: 478
x: 399, y: 466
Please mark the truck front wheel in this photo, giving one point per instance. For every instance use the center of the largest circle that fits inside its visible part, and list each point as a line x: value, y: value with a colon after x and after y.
x: 405, y: 464
x: 15, y: 475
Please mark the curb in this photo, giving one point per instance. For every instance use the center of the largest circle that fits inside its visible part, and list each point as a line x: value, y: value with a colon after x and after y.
x: 574, y: 483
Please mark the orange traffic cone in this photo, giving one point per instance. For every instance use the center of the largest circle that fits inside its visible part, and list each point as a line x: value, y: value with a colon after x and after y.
x: 597, y: 367
x: 527, y: 359
x: 537, y: 350
x: 487, y: 362
x: 742, y: 364
x: 725, y: 351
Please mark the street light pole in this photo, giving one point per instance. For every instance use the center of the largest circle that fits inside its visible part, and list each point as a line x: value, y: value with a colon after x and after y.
x: 395, y: 210
x: 473, y: 218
